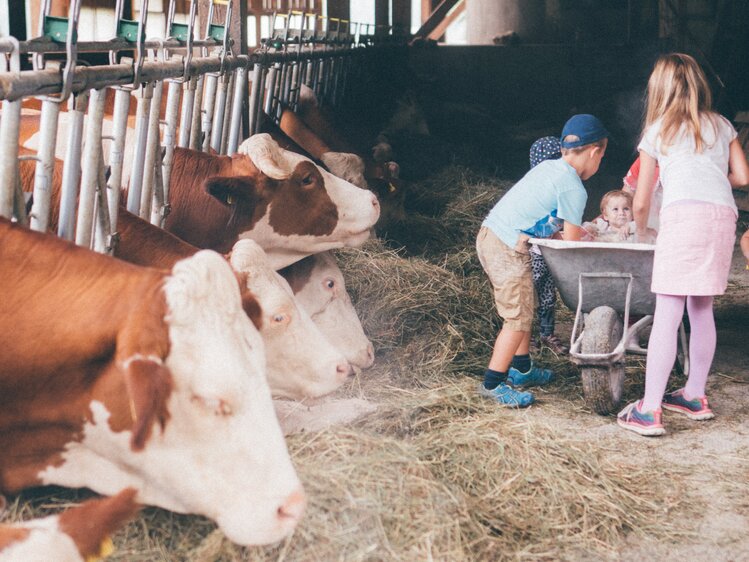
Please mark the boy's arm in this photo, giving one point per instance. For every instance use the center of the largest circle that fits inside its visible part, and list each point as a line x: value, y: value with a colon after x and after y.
x: 643, y: 194
x: 738, y: 169
x: 572, y: 232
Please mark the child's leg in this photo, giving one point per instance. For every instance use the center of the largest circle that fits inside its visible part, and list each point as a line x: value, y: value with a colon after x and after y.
x: 547, y: 295
x: 702, y: 342
x: 508, y: 344
x: 662, y: 348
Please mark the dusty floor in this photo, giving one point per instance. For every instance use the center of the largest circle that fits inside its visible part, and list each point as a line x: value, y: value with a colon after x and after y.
x: 710, y: 458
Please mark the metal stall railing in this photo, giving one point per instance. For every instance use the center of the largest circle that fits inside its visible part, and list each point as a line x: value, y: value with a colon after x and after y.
x: 205, y: 94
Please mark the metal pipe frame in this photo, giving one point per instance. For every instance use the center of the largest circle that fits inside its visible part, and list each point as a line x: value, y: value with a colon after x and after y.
x: 71, y: 168
x: 235, y: 124
x: 145, y: 93
x: 90, y: 167
x: 152, y: 158
x: 45, y: 165
x: 116, y: 152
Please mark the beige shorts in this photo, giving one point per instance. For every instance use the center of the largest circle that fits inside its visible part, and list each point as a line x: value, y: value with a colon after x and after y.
x: 511, y: 277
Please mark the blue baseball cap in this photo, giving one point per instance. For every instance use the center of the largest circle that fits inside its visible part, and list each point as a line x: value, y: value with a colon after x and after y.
x: 588, y: 128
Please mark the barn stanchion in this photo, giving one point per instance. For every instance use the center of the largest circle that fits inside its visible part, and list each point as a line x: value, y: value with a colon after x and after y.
x: 10, y: 125
x: 196, y: 133
x: 71, y: 168
x: 143, y: 96
x: 90, y: 165
x: 228, y: 109
x: 186, y: 117
x: 217, y: 112
x: 152, y: 157
x: 235, y: 122
x: 209, y: 100
x: 105, y: 237
x: 170, y: 136
x: 270, y: 86
x: 256, y: 96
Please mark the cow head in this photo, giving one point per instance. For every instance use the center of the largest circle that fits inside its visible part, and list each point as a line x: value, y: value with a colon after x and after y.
x: 290, y: 206
x: 201, y: 434
x: 347, y: 166
x: 302, y: 363
x: 319, y: 288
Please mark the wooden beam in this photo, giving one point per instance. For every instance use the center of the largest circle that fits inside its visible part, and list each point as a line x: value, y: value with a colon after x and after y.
x: 339, y: 9
x: 436, y: 17
x: 439, y: 31
x: 381, y: 12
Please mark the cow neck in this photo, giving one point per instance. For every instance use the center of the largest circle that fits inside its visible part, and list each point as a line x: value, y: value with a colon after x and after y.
x: 144, y: 244
x: 196, y: 217
x: 61, y: 353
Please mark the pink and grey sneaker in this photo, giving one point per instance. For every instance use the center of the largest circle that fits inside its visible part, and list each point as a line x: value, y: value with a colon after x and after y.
x: 644, y: 423
x: 695, y: 409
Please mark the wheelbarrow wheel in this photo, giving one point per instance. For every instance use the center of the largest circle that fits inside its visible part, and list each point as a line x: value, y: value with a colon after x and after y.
x: 602, y: 385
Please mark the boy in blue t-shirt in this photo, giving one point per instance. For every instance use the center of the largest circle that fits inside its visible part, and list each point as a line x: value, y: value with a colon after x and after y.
x: 550, y: 196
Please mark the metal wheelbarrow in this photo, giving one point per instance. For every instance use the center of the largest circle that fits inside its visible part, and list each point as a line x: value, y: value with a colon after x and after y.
x: 606, y: 284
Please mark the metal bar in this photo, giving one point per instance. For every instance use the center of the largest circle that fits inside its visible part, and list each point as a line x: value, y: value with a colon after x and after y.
x: 217, y: 112
x: 9, y: 128
x: 196, y: 132
x: 170, y: 133
x: 116, y: 152
x: 15, y: 85
x: 209, y: 101
x: 103, y: 231
x: 228, y: 110
x: 235, y: 125
x: 145, y: 93
x: 188, y: 101
x: 90, y: 168
x: 71, y: 168
x: 46, y: 165
x: 270, y: 85
x: 152, y: 158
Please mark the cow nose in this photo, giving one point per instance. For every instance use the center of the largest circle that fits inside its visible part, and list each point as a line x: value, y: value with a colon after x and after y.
x: 293, y: 507
x: 344, y: 370
x: 370, y: 355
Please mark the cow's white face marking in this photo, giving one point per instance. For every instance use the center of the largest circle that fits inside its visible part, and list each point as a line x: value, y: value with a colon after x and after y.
x: 221, y: 453
x: 302, y: 363
x: 325, y: 298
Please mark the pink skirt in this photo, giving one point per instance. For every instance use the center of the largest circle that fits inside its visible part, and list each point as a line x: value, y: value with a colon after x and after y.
x: 694, y: 249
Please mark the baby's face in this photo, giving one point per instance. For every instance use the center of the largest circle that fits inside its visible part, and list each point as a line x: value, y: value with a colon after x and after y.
x: 617, y: 212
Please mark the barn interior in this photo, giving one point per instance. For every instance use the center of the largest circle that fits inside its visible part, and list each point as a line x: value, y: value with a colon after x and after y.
x: 434, y: 473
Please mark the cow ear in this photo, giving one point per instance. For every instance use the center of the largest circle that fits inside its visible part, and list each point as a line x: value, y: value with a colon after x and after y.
x: 227, y: 190
x: 142, y: 346
x: 149, y: 384
x: 252, y: 308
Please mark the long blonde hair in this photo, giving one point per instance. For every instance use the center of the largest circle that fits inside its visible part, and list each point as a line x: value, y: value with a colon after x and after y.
x: 678, y: 94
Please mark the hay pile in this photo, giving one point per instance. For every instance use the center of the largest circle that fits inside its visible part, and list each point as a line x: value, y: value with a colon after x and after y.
x: 436, y: 473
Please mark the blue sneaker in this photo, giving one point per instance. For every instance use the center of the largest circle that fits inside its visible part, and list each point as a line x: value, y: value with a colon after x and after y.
x: 536, y: 376
x: 507, y: 396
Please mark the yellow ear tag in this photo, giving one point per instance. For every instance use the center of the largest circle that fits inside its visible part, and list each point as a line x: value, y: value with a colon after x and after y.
x: 230, y: 200
x: 392, y: 188
x: 106, y: 549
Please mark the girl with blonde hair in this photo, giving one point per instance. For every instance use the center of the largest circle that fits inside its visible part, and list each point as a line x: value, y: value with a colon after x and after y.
x: 700, y: 160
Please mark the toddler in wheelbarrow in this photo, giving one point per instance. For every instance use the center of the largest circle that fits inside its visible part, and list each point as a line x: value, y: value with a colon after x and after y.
x: 550, y: 198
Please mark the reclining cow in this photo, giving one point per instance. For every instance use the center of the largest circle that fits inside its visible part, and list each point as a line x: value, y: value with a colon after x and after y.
x: 114, y: 375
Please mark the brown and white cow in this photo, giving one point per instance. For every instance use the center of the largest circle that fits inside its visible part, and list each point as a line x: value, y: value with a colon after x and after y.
x: 78, y: 534
x: 301, y: 361
x: 319, y: 287
x: 282, y: 200
x: 114, y: 375
x: 346, y: 162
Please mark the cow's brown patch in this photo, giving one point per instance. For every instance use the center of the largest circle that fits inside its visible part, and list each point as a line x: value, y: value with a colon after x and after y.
x: 298, y: 274
x: 92, y: 522
x: 10, y: 535
x: 301, y: 205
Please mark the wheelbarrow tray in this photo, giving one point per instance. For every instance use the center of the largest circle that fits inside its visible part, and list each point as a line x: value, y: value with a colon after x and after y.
x: 567, y: 260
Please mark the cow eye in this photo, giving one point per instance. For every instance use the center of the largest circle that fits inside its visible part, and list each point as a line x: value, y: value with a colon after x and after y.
x: 308, y: 180
x: 278, y: 318
x: 329, y: 283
